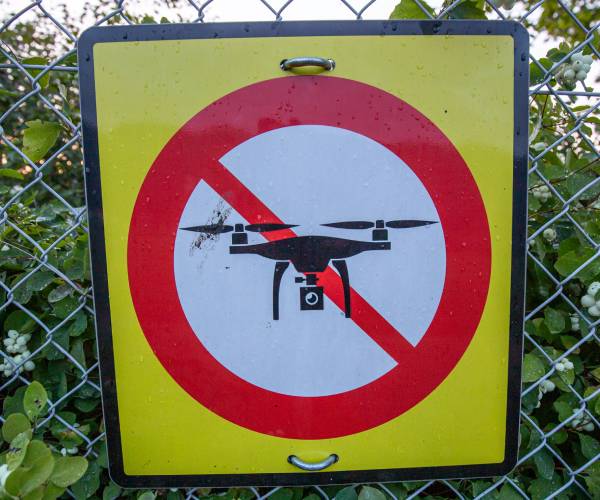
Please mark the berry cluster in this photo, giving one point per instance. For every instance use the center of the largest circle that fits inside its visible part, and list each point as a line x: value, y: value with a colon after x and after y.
x: 591, y: 300
x: 16, y: 344
x: 544, y: 387
x: 575, y: 70
x: 563, y: 365
x: 69, y: 451
x: 541, y: 193
x: 582, y: 422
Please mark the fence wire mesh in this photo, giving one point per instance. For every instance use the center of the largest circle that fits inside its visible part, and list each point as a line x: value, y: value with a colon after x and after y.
x: 45, y: 295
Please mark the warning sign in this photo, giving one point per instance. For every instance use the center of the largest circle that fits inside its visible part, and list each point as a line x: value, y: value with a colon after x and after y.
x: 304, y: 271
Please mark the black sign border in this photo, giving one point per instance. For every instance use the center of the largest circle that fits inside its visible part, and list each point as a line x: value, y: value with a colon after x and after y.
x: 137, y: 33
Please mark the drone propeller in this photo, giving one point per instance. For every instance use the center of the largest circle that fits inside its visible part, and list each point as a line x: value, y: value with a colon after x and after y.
x: 223, y: 228
x: 265, y: 228
x: 355, y: 224
x: 209, y: 228
x: 402, y: 224
x: 394, y: 224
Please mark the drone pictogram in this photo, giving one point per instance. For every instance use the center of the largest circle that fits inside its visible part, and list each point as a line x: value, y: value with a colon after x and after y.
x: 309, y: 254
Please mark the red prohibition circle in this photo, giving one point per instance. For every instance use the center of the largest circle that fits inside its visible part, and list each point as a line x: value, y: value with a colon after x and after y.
x: 193, y: 154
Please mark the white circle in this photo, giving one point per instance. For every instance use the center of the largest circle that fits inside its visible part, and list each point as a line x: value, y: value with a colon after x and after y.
x: 310, y: 175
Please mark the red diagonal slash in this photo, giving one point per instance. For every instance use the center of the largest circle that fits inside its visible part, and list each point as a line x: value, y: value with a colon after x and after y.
x: 363, y: 314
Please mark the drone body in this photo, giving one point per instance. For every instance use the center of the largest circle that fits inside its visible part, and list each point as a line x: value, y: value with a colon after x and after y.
x: 309, y: 254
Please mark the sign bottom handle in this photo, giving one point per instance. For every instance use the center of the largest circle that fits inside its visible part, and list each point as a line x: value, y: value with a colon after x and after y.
x: 313, y: 466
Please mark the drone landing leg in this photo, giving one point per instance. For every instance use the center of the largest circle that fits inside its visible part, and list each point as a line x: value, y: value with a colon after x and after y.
x: 280, y: 268
x: 342, y: 268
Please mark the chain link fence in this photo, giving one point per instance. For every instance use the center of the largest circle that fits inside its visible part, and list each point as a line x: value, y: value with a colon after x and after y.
x: 45, y: 295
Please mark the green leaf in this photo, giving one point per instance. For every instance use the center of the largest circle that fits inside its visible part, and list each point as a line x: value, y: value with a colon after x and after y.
x: 38, y: 138
x: 312, y: 496
x: 52, y: 492
x: 555, y: 320
x: 36, y: 494
x: 569, y: 262
x: 536, y: 75
x: 41, y: 61
x: 65, y: 306
x: 370, y: 493
x: 79, y: 324
x: 507, y: 492
x: 543, y: 488
x: 347, y: 493
x: 409, y: 9
x: 282, y: 494
x: 60, y: 292
x: 78, y: 353
x: 592, y: 479
x: 567, y: 376
x: 40, y: 280
x: 88, y: 484
x: 544, y: 463
x: 111, y: 491
x: 589, y: 446
x: 14, y: 481
x: 467, y: 10
x: 14, y: 404
x: 147, y: 495
x: 39, y: 462
x: 14, y: 425
x: 68, y: 470
x: 20, y: 321
x: 533, y: 368
x: 17, y: 450
x: 35, y: 400
x: 563, y: 409
x: 9, y: 173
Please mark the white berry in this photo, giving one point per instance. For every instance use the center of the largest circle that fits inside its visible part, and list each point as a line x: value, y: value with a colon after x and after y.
x: 575, y: 327
x: 593, y: 288
x: 594, y: 311
x: 549, y: 234
x: 548, y: 385
x: 588, y: 301
x: 13, y: 334
x: 560, y: 367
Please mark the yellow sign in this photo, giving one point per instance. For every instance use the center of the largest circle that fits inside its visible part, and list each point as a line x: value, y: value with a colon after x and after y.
x: 307, y: 249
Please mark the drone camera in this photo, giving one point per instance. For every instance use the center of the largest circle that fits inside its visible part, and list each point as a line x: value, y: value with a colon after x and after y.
x: 311, y: 298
